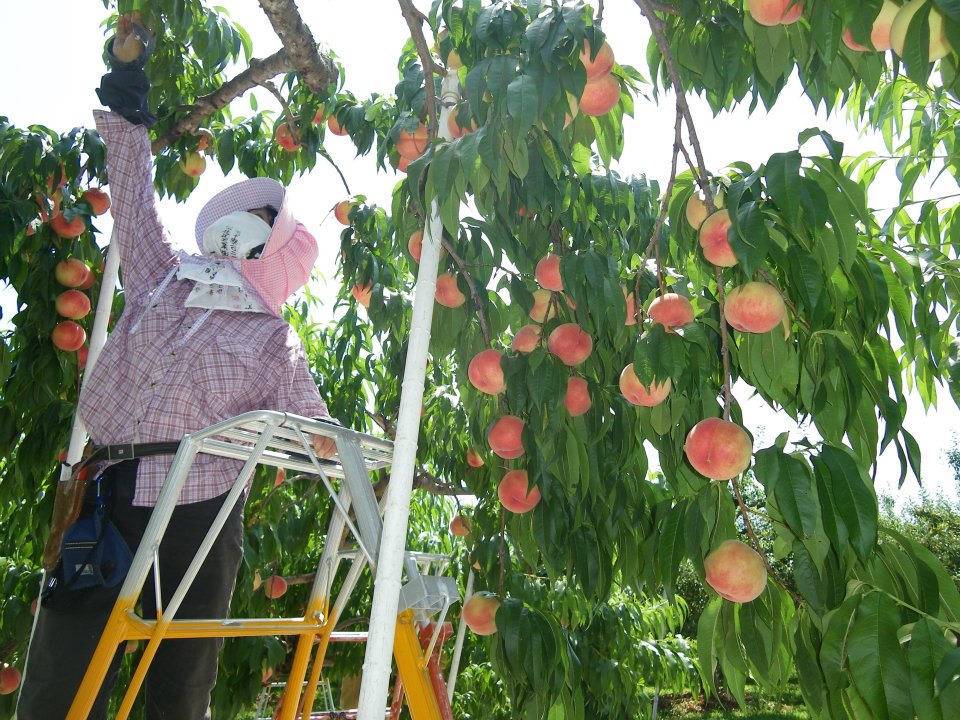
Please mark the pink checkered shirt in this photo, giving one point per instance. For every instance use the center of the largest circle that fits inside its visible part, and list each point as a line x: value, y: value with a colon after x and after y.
x: 153, y: 382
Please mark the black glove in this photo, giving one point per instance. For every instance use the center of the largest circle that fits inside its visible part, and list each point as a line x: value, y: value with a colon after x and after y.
x: 124, y: 89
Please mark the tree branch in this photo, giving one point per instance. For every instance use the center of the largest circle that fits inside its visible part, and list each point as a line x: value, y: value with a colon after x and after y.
x: 415, y: 21
x: 316, y: 71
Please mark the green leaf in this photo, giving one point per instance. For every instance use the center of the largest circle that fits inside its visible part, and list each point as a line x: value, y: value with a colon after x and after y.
x: 783, y: 183
x: 880, y: 670
x: 926, y: 651
x: 853, y: 501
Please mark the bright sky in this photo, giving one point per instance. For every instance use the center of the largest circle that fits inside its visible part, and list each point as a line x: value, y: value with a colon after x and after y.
x: 57, y: 44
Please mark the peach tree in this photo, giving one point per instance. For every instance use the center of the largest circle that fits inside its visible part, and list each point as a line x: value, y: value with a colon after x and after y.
x: 591, y: 329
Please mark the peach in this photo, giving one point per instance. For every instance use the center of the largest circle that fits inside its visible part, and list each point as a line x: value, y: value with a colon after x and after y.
x: 474, y: 459
x: 713, y: 239
x: 460, y: 526
x: 362, y: 293
x: 755, y: 307
x: 848, y: 40
x: 774, y: 12
x: 577, y: 398
x: 284, y: 137
x: 413, y: 145
x: 541, y: 306
x: 341, y: 211
x: 882, y: 26
x: 939, y: 45
x: 526, y: 339
x: 9, y: 680
x: 82, y: 354
x: 670, y: 310
x: 68, y: 336
x: 280, y: 478
x: 447, y: 293
x: 73, y: 304
x: 319, y: 116
x: 696, y: 211
x: 454, y: 127
x: 600, y: 96
x: 718, y: 449
x: 99, y: 201
x: 334, y: 126
x: 570, y: 343
x: 274, y: 586
x: 403, y: 164
x: 601, y: 64
x: 736, y: 571
x: 193, y: 164
x: 548, y: 273
x: 72, y: 272
x: 480, y: 613
x: 485, y: 372
x: 68, y: 229
x: 631, y: 306
x: 415, y: 245
x: 637, y: 393
x: 515, y: 492
x: 506, y: 437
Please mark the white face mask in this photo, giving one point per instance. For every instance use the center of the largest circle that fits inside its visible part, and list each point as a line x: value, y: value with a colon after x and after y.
x: 236, y: 235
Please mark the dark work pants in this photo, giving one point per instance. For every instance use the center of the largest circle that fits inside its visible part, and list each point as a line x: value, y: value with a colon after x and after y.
x: 183, y: 672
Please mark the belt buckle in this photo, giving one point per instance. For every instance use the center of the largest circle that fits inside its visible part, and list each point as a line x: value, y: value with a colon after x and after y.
x: 123, y: 451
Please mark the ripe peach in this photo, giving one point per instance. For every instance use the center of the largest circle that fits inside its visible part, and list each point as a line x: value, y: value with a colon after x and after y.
x: 515, y: 492
x: 341, y: 211
x: 848, y: 40
x: 454, y: 127
x: 280, y: 478
x: 274, y: 586
x: 82, y: 354
x: 485, y: 372
x: 193, y: 164
x: 403, y: 164
x: 480, y: 613
x: 631, y: 306
x: 506, y: 437
x: 600, y: 95
x: 939, y: 45
x: 68, y: 229
x: 670, y: 310
x: 415, y: 245
x: 570, y: 343
x: 774, y: 12
x: 526, y: 339
x: 362, y: 293
x: 9, y: 679
x: 755, y: 307
x: 99, y: 201
x: 460, y: 526
x: 577, y: 398
x: 736, y: 571
x: 718, y: 449
x: 334, y: 126
x: 548, y: 273
x: 68, y: 336
x: 713, y: 239
x: 541, y: 304
x: 882, y: 26
x: 696, y: 211
x: 72, y: 272
x: 447, y: 293
x: 601, y: 64
x: 639, y: 394
x: 473, y: 459
x: 413, y: 145
x: 73, y: 304
x: 284, y: 137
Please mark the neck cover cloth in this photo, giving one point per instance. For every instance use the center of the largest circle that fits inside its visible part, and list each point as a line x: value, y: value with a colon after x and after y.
x: 285, y: 263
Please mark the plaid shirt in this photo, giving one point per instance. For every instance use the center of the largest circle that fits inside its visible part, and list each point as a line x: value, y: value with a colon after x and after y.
x: 155, y: 380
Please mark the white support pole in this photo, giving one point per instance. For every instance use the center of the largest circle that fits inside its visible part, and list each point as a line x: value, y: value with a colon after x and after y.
x: 458, y: 646
x: 386, y: 595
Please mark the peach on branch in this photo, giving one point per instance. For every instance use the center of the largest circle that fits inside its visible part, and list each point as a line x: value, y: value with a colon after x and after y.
x: 570, y: 343
x: 601, y: 64
x: 454, y: 127
x: 485, y: 372
x: 341, y: 211
x: 474, y: 459
x: 193, y: 164
x: 68, y: 336
x: 334, y: 126
x: 515, y: 492
x: 670, y: 310
x: 413, y: 145
x: 415, y: 245
x: 480, y: 613
x: 402, y: 164
x: 736, y: 571
x: 631, y: 306
x: 526, y: 339
x: 9, y: 679
x: 939, y: 44
x: 755, y: 307
x: 718, y: 449
x: 72, y: 272
x: 284, y: 137
x: 880, y: 31
x: 68, y: 229
x: 447, y: 293
x: 637, y: 393
x: 541, y: 306
x: 713, y: 239
x: 82, y: 354
x: 460, y: 526
x: 274, y: 586
x: 600, y: 95
x: 506, y: 437
x: 775, y: 12
x: 577, y: 398
x: 73, y: 304
x: 361, y: 293
x: 319, y: 115
x: 548, y: 273
x: 98, y: 200
x: 696, y: 211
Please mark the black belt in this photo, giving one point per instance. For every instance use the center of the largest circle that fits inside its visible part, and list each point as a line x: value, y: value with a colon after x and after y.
x: 125, y: 451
